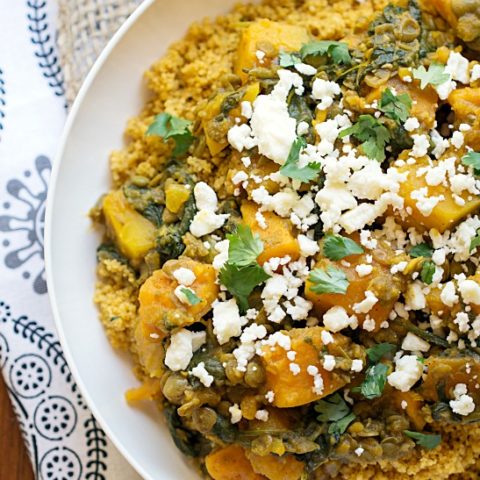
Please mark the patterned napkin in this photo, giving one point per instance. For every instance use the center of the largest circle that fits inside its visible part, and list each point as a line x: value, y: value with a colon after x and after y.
x: 63, y: 438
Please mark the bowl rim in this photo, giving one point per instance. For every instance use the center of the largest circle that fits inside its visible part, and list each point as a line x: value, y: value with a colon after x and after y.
x: 90, y: 78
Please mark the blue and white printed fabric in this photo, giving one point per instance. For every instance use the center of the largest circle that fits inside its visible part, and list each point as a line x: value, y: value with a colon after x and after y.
x: 63, y: 438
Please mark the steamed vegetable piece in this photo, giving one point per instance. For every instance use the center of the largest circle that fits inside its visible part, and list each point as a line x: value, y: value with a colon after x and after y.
x: 293, y: 390
x: 160, y: 307
x: 446, y: 214
x: 380, y: 282
x: 272, y: 36
x: 133, y: 233
x: 273, y: 467
x: 278, y: 238
x: 230, y: 463
x: 465, y: 103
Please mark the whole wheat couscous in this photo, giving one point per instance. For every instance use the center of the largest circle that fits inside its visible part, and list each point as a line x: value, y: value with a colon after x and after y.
x: 291, y: 246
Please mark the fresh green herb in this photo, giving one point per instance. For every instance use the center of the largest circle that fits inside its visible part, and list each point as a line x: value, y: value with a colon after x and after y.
x: 167, y: 126
x: 331, y: 280
x: 421, y: 250
x: 336, y: 247
x: 291, y: 169
x: 286, y: 59
x: 244, y: 247
x: 435, y: 75
x: 377, y: 352
x: 192, y: 297
x: 337, y: 51
x: 395, y: 107
x: 425, y: 440
x: 334, y: 410
x: 240, y: 281
x: 427, y: 272
x: 374, y: 383
x: 472, y: 159
x: 475, y: 241
x: 373, y: 135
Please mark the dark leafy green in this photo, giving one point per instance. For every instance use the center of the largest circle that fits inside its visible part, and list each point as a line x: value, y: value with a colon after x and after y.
x: 435, y: 75
x: 475, y: 241
x: 286, y: 59
x: 291, y: 169
x: 244, y: 247
x: 425, y: 440
x: 336, y: 247
x: 337, y: 51
x: 377, y: 352
x: 396, y: 107
x: 331, y: 280
x: 472, y: 159
x: 427, y: 272
x: 192, y: 297
x: 421, y: 250
x: 374, y: 383
x: 335, y: 411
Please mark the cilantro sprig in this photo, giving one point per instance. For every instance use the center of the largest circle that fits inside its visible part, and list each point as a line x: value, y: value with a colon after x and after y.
x: 372, y: 134
x: 291, y: 169
x: 335, y: 411
x: 287, y: 59
x: 242, y: 273
x: 336, y: 247
x: 427, y: 272
x: 435, y: 75
x: 168, y: 126
x: 331, y: 280
x: 378, y: 351
x: 337, y: 51
x: 374, y: 383
x: 472, y: 159
x: 396, y: 107
x: 421, y: 250
x: 192, y: 297
x: 425, y: 440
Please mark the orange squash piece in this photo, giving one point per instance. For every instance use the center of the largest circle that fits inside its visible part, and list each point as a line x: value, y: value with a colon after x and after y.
x: 414, y: 404
x: 278, y: 36
x: 294, y: 390
x: 160, y: 307
x: 278, y: 239
x: 273, y: 467
x: 465, y: 103
x: 230, y: 463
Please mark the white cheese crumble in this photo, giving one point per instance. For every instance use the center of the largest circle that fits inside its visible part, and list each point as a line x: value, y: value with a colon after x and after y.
x: 408, y: 371
x: 337, y: 319
x: 181, y: 295
x: 411, y: 124
x: 305, y: 69
x: 308, y: 247
x: 458, y: 67
x: 206, y: 220
x: 239, y: 177
x: 463, y: 403
x: 364, y: 269
x: 235, y: 413
x: 227, y: 322
x: 357, y: 365
x: 202, y: 374
x: 328, y: 362
x: 325, y: 91
x: 413, y: 343
x: 359, y: 451
x: 184, y: 276
x: 475, y: 74
x: 470, y: 291
x: 261, y: 415
x: 221, y: 259
x: 367, y: 304
x: 182, y: 346
x: 448, y: 295
x: 295, y: 368
x: 270, y: 396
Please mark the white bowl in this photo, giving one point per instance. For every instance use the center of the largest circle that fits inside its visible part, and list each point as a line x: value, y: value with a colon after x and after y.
x: 113, y: 92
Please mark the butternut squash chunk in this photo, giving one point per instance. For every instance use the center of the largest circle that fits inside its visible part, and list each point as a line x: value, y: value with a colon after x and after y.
x: 149, y: 347
x: 445, y: 215
x: 445, y: 373
x: 293, y: 390
x: 381, y: 282
x: 176, y: 195
x: 230, y: 463
x: 273, y: 467
x: 148, y: 390
x: 278, y: 239
x: 133, y: 233
x: 272, y: 36
x: 160, y: 307
x: 414, y: 403
x: 465, y: 103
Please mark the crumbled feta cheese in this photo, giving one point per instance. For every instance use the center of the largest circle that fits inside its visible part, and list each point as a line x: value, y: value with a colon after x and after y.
x: 408, y: 371
x: 359, y: 451
x: 326, y: 337
x: 475, y: 74
x: 222, y: 257
x: 247, y: 110
x: 239, y: 177
x: 328, y: 362
x: 240, y: 137
x: 457, y: 139
x: 420, y: 145
x: 364, y: 269
x: 302, y: 128
x: 470, y: 291
x: 414, y: 296
x: 367, y: 304
x: 182, y: 346
x: 308, y: 247
x: 295, y: 368
x: 184, y: 276
x: 262, y: 415
x: 181, y: 295
x: 337, y: 319
x: 458, y: 67
x: 413, y: 343
x: 463, y: 403
x: 205, y: 197
x: 202, y: 374
x: 270, y: 396
x: 369, y: 324
x: 227, y: 322
x: 206, y: 221
x: 448, y: 295
x: 305, y: 69
x: 325, y: 91
x: 235, y: 413
x: 357, y: 365
x: 411, y: 124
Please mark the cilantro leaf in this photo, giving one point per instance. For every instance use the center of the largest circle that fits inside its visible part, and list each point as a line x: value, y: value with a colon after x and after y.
x: 472, y: 159
x: 168, y: 126
x: 244, y: 247
x: 332, y: 408
x: 374, y: 383
x: 373, y: 135
x: 395, y: 107
x: 192, y: 297
x: 427, y: 272
x: 331, y: 280
x: 291, y: 169
x: 336, y: 247
x: 337, y: 51
x: 378, y: 351
x: 286, y: 59
x: 435, y: 75
x: 240, y: 281
x: 425, y: 440
x: 475, y: 241
x: 421, y: 250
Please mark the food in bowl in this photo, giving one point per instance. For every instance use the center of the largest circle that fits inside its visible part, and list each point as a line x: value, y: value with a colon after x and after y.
x: 291, y: 241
